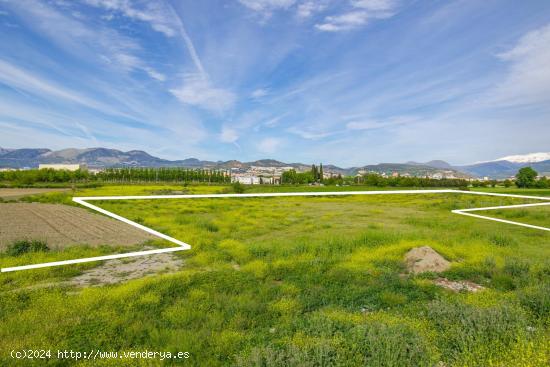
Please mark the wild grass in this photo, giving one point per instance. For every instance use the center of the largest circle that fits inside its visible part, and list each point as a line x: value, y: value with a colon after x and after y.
x: 302, y: 281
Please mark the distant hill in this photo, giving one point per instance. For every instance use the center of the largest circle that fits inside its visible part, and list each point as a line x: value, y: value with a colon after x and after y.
x: 435, y: 164
x: 103, y: 157
x: 503, y: 169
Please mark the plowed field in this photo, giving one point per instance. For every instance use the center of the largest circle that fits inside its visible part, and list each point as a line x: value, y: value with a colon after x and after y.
x: 62, y: 225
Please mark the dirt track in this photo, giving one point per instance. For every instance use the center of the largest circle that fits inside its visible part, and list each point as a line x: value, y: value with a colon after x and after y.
x: 62, y: 225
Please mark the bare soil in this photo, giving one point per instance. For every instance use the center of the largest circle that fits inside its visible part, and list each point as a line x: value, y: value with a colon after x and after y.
x: 457, y: 286
x: 11, y: 194
x: 63, y: 225
x: 123, y: 270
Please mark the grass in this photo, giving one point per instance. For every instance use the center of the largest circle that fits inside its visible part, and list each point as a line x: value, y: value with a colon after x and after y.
x: 305, y: 281
x: 538, y: 215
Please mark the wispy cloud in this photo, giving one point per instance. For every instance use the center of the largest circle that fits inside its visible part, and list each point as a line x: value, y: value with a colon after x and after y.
x: 20, y: 79
x: 269, y: 145
x: 85, y: 41
x: 309, y: 8
x: 528, y: 78
x: 152, y: 12
x: 229, y: 135
x: 266, y: 7
x: 259, y: 93
x: 198, y: 91
x: 361, y: 12
x: 371, y: 124
x: 309, y: 134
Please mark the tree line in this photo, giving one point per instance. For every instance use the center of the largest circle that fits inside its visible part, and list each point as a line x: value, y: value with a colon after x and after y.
x: 116, y: 175
x: 373, y: 179
x: 171, y: 174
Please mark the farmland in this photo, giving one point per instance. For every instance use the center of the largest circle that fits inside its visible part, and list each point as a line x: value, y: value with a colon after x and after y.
x: 309, y: 281
x: 61, y: 226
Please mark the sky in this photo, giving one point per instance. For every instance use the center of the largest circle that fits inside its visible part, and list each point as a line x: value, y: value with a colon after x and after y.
x: 346, y: 82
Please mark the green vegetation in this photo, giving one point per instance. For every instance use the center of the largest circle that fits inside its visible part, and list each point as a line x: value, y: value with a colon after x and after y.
x: 25, y: 246
x: 172, y: 174
x: 46, y: 175
x: 375, y: 180
x: 527, y: 178
x: 538, y: 215
x: 114, y: 175
x: 304, y: 281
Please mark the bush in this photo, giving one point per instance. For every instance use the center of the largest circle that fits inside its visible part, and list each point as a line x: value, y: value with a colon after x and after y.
x: 24, y: 246
x: 238, y: 187
x: 537, y: 300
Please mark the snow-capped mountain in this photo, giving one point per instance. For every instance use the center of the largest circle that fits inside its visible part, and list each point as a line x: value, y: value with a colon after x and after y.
x: 526, y: 158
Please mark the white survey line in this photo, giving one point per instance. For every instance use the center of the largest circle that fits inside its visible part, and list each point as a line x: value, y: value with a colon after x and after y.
x: 184, y: 246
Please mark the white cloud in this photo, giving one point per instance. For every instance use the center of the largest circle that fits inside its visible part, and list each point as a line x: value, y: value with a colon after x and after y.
x: 528, y: 78
x: 259, y: 93
x: 309, y: 8
x: 361, y: 13
x: 198, y: 91
x: 266, y: 6
x: 309, y: 134
x: 229, y: 135
x: 375, y: 124
x: 374, y: 5
x: 346, y: 21
x: 269, y: 145
x: 83, y: 40
x: 158, y: 16
x: 155, y: 74
x: 23, y: 80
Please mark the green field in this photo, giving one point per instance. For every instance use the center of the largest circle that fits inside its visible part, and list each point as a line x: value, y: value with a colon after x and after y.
x: 300, y: 281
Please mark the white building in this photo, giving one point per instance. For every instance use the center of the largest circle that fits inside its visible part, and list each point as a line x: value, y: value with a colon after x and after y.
x: 247, y: 179
x: 67, y: 167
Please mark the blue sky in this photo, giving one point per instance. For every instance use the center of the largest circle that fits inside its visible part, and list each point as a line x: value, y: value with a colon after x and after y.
x: 346, y: 82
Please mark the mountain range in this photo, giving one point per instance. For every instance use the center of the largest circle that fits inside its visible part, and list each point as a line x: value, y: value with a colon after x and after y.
x: 103, y: 157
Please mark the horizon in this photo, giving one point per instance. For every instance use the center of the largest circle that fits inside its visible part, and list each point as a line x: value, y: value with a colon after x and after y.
x: 348, y: 83
x: 453, y: 165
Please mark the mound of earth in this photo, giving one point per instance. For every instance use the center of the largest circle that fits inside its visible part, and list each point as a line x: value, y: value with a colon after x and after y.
x: 63, y: 225
x: 424, y: 259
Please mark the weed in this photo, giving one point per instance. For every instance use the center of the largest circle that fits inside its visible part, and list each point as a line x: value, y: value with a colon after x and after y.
x: 21, y: 247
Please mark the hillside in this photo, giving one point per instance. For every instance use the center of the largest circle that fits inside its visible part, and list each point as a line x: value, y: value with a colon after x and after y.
x: 104, y: 157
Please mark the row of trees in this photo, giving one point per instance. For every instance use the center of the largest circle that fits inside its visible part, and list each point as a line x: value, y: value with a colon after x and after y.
x: 163, y: 175
x: 47, y: 175
x: 373, y: 179
x: 525, y: 178
x: 29, y: 177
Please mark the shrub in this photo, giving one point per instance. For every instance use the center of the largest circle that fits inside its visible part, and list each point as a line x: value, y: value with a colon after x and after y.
x: 516, y: 267
x: 238, y: 187
x: 537, y: 299
x: 24, y: 246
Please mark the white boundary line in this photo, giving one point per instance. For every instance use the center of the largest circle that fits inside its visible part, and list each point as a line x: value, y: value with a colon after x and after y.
x: 184, y: 246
